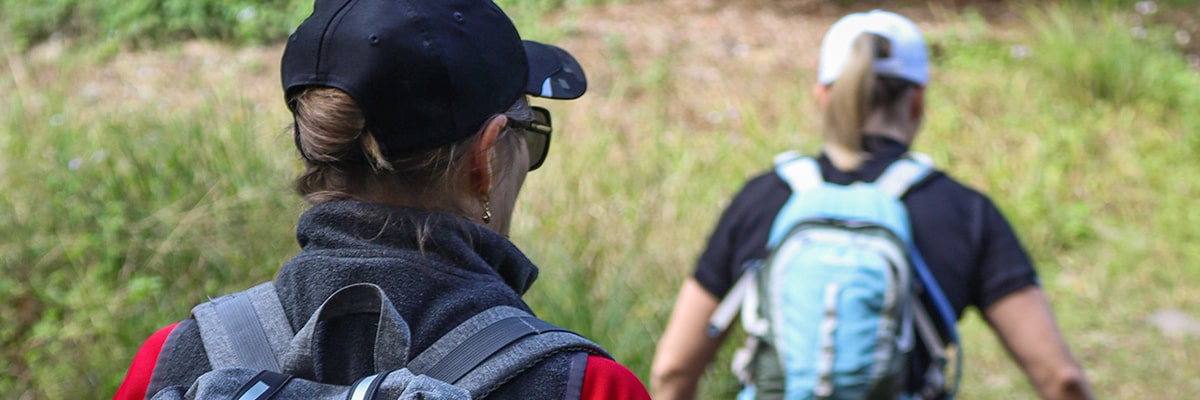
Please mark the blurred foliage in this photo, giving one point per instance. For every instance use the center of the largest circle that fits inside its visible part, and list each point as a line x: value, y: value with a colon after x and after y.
x: 147, y: 22
x: 116, y: 220
x: 1093, y: 58
x: 125, y: 204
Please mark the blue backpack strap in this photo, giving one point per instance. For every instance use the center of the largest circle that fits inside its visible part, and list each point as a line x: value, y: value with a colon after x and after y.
x: 897, y: 180
x: 946, y: 313
x: 494, y: 346
x: 247, y: 329
x: 940, y: 302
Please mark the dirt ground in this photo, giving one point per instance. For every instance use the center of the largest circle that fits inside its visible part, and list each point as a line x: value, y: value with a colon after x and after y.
x: 703, y: 41
x: 699, y: 43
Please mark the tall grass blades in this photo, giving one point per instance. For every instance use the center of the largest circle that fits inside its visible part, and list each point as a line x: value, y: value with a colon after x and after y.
x: 138, y: 184
x: 120, y: 211
x: 1109, y: 56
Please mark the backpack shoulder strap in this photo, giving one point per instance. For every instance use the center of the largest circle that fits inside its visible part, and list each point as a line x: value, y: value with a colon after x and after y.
x: 800, y: 172
x: 905, y: 172
x: 743, y: 290
x: 935, y: 379
x: 246, y: 329
x: 494, y: 346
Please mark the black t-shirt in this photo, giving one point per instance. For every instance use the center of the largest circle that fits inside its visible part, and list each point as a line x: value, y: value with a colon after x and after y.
x: 970, y: 248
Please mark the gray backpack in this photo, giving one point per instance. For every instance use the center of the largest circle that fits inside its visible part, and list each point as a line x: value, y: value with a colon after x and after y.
x: 255, y: 356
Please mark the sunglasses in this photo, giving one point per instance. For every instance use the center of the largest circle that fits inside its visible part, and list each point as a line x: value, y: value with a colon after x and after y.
x: 537, y: 135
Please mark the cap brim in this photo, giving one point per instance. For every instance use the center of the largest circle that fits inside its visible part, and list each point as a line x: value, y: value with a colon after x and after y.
x: 553, y: 73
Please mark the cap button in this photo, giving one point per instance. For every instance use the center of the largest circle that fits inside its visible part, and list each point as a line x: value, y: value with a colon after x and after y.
x: 459, y: 17
x: 374, y: 39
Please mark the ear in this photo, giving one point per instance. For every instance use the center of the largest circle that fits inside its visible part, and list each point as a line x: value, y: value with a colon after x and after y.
x: 480, y: 161
x: 918, y: 103
x: 821, y: 93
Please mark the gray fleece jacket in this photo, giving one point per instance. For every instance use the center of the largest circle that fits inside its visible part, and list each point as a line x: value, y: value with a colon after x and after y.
x: 437, y: 269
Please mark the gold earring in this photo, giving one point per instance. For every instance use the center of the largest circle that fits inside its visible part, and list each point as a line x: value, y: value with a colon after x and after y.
x: 487, y: 209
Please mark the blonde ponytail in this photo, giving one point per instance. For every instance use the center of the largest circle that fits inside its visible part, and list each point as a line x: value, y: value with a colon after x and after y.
x: 849, y: 102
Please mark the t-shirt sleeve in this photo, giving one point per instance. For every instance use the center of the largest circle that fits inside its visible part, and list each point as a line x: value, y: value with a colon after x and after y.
x: 607, y: 379
x: 1004, y: 266
x: 741, y: 233
x: 714, y: 265
x: 137, y: 380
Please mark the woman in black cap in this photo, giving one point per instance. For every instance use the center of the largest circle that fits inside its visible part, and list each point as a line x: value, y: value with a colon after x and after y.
x: 413, y: 123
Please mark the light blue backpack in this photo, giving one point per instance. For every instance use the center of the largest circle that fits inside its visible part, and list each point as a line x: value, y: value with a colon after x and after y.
x: 834, y: 310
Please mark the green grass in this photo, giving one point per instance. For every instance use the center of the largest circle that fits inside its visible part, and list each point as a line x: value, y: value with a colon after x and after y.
x: 150, y: 23
x: 141, y: 23
x: 138, y: 184
x: 116, y: 217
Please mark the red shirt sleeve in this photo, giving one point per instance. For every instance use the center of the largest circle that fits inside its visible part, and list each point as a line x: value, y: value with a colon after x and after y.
x: 606, y: 379
x: 138, y: 377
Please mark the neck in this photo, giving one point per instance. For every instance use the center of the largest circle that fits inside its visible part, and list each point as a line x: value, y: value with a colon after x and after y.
x: 903, y: 131
x: 390, y: 191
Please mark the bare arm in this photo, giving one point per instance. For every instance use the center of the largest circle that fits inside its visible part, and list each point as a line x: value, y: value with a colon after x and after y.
x: 1025, y: 324
x: 685, y: 349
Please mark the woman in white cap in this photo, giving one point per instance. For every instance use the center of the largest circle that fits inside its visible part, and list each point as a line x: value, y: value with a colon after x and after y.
x: 413, y: 122
x: 871, y: 88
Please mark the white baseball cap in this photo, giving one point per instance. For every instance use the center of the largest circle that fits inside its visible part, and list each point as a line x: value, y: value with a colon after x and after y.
x: 909, y: 59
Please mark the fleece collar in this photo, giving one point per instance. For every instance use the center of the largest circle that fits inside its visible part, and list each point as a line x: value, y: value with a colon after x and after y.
x: 446, y: 241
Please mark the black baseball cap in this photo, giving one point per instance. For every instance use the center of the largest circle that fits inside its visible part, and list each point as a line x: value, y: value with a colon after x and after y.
x: 425, y: 72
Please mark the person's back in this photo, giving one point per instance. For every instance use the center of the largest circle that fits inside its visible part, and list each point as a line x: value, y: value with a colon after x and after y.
x: 435, y: 290
x: 872, y: 76
x: 413, y: 123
